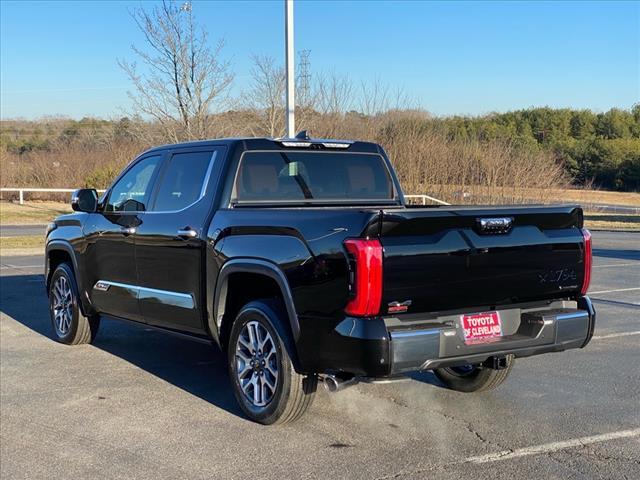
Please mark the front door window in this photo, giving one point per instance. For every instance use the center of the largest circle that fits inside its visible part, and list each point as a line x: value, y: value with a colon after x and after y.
x: 131, y: 192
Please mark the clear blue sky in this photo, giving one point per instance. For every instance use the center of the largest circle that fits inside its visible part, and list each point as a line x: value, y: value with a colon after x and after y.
x: 453, y: 58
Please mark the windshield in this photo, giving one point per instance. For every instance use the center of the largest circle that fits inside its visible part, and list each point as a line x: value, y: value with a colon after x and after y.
x: 282, y: 176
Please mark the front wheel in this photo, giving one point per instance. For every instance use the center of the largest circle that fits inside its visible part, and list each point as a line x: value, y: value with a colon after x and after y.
x: 264, y: 381
x: 473, y: 378
x: 69, y: 324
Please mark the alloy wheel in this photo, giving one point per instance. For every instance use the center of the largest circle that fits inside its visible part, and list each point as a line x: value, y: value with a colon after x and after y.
x: 62, y: 300
x: 257, y: 363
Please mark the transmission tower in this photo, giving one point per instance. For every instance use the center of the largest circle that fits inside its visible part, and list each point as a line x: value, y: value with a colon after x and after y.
x: 304, y: 78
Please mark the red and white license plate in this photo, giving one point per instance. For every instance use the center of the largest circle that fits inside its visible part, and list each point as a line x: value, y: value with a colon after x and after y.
x: 479, y: 327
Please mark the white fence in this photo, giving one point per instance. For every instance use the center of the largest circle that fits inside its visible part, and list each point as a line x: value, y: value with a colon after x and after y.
x: 424, y: 199
x: 39, y: 190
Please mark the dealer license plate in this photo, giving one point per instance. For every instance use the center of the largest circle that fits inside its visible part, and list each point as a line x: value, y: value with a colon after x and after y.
x: 481, y: 327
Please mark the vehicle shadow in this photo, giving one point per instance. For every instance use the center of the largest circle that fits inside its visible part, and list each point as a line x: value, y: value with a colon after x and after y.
x: 616, y: 253
x: 615, y: 303
x: 426, y: 376
x: 195, y: 367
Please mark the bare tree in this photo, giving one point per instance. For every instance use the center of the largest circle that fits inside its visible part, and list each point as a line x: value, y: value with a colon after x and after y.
x: 266, y: 96
x: 377, y: 98
x: 334, y: 93
x: 321, y: 110
x: 183, y: 78
x: 332, y: 98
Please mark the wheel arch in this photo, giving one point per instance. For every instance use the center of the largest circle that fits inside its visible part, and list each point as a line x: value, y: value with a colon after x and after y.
x: 61, y: 251
x: 271, y: 279
x: 57, y: 252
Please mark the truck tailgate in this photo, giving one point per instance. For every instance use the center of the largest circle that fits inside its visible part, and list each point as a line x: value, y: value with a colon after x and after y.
x: 444, y: 259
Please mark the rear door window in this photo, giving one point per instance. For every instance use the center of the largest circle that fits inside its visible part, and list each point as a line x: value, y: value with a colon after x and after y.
x: 282, y: 176
x: 184, y: 180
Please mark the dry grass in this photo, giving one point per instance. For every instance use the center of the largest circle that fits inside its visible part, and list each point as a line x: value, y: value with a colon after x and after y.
x: 21, y: 242
x: 478, y: 194
x: 67, y: 166
x: 605, y: 221
x: 22, y: 252
x: 31, y: 213
x: 593, y: 197
x: 468, y: 172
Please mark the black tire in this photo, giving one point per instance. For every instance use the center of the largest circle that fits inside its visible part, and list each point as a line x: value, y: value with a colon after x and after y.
x: 293, y: 393
x: 473, y: 378
x: 75, y: 328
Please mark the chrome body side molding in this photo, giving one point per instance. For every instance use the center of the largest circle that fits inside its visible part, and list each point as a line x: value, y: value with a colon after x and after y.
x: 164, y: 297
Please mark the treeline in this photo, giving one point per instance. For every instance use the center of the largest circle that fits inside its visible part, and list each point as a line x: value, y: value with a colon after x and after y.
x: 602, y: 148
x: 500, y: 158
x: 63, y: 153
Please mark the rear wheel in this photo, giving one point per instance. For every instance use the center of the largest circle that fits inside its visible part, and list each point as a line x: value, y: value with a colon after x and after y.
x: 473, y: 378
x: 69, y: 324
x: 264, y: 381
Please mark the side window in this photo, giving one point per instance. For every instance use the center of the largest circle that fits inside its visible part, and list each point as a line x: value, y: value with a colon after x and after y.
x: 183, y: 182
x: 129, y: 194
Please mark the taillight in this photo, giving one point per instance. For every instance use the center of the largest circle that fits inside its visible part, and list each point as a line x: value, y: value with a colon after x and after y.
x: 366, y: 277
x: 588, y: 260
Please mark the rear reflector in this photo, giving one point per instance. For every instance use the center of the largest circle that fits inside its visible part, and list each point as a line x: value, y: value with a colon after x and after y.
x: 366, y: 268
x: 588, y: 260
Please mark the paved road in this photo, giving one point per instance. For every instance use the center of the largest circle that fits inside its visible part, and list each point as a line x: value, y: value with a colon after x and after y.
x: 140, y: 404
x: 19, y: 230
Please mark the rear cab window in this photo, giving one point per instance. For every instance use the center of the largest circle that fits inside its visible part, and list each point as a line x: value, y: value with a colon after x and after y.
x: 272, y: 177
x: 184, y: 181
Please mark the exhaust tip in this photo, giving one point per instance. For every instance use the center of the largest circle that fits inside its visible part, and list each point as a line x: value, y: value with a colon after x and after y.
x: 331, y: 383
x: 335, y: 384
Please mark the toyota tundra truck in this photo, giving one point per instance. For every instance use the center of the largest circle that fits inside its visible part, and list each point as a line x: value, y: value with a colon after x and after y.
x: 302, y: 261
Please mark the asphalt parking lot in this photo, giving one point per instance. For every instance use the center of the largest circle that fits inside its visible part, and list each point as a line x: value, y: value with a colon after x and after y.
x: 141, y: 404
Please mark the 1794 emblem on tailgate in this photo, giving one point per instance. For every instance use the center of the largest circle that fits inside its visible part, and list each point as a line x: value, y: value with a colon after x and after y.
x: 557, y: 276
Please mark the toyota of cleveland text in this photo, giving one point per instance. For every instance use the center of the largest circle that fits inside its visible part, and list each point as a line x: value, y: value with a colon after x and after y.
x: 300, y: 259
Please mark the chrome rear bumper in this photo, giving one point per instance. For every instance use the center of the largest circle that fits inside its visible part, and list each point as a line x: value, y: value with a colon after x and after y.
x: 440, y: 342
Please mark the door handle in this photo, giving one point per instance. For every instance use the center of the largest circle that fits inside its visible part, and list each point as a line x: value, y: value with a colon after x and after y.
x: 128, y: 230
x: 187, y: 233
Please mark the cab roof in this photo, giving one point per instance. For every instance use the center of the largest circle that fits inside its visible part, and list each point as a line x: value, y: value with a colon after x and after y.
x: 252, y: 143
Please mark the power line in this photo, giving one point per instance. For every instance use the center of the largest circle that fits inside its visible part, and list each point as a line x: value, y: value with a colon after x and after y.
x: 304, y: 77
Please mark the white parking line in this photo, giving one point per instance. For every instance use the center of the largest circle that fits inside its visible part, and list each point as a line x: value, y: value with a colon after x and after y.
x: 552, y: 447
x: 617, y: 290
x: 615, y: 335
x: 617, y: 265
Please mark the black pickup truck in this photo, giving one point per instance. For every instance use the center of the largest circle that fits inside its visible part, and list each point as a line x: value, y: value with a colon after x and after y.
x: 302, y: 261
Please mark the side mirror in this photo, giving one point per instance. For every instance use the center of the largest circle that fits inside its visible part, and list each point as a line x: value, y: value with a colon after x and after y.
x: 85, y: 200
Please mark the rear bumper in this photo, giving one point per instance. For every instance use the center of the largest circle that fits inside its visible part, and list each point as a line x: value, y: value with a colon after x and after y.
x: 423, y: 344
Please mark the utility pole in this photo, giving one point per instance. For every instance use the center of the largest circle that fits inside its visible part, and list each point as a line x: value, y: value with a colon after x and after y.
x: 289, y: 64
